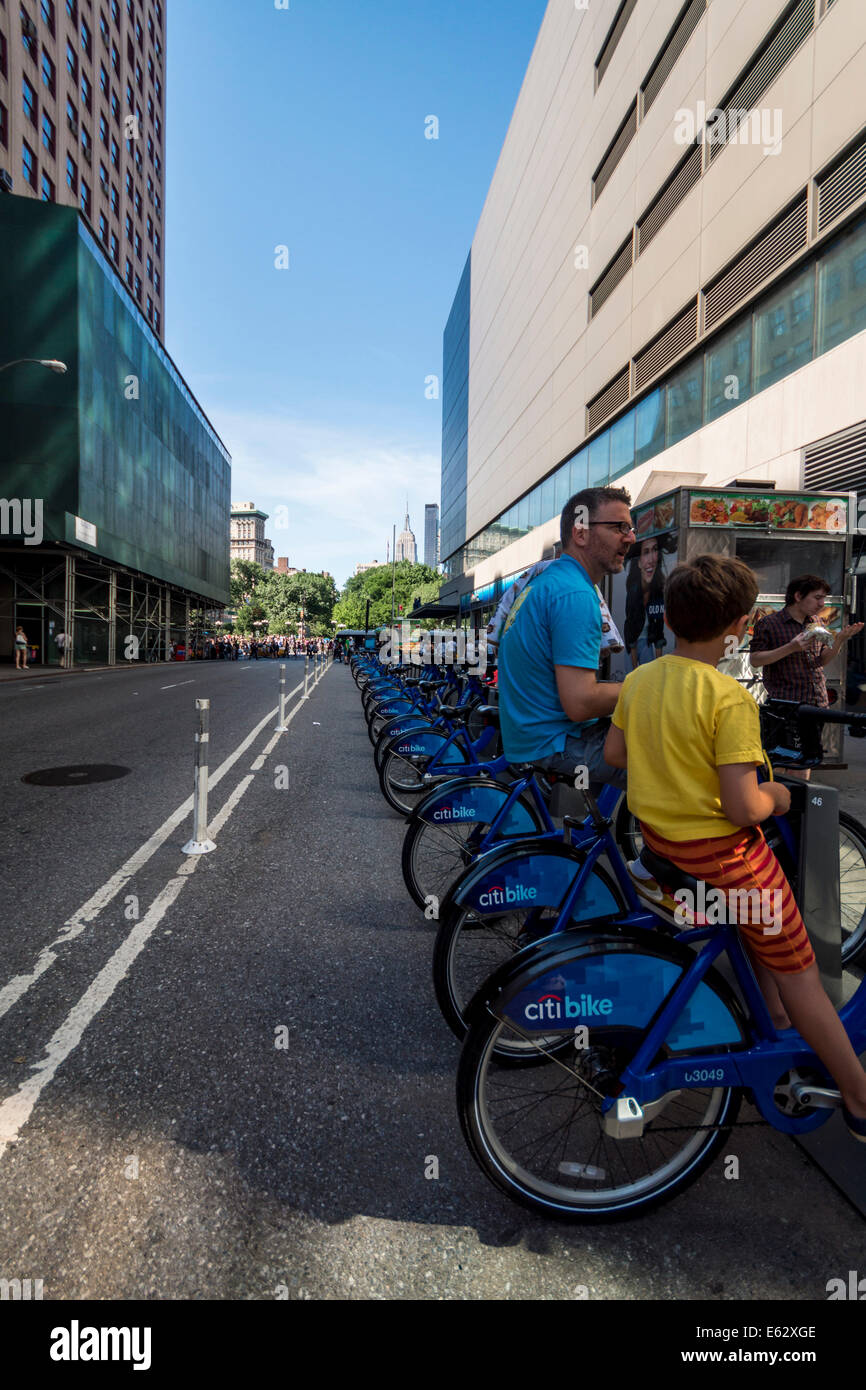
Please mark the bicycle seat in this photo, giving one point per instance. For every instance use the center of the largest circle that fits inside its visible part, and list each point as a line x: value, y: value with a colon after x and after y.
x: 667, y: 874
x: 489, y: 711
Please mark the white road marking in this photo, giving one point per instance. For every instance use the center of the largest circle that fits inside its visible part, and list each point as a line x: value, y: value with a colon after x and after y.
x: 16, y: 1110
x: 18, y: 986
x: 176, y: 685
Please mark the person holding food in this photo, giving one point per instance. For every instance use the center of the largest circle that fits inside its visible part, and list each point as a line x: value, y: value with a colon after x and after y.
x: 790, y: 657
x: 644, y: 603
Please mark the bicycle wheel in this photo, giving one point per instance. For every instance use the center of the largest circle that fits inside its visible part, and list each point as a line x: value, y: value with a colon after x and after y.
x: 434, y: 856
x: 852, y: 886
x: 538, y: 1134
x: 470, y: 947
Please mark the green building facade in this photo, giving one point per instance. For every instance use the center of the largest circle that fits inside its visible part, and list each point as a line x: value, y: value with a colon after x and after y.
x: 128, y: 480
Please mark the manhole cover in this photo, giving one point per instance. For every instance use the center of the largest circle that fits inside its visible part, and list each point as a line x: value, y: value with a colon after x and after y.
x: 77, y: 775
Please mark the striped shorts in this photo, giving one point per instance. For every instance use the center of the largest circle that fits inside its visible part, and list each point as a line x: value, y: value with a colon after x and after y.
x: 768, y: 919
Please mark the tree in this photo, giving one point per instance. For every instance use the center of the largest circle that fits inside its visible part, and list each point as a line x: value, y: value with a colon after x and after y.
x: 287, y: 596
x: 410, y: 582
x: 247, y: 588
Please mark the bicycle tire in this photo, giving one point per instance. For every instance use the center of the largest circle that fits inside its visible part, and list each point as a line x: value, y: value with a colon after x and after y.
x: 468, y: 949
x: 852, y: 887
x: 401, y: 778
x: 520, y: 1125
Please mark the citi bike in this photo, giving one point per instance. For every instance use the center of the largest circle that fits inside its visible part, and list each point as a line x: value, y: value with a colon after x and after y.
x: 603, y: 1067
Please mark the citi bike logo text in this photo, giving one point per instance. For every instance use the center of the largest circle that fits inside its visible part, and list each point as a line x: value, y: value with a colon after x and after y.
x: 496, y: 897
x: 735, y: 127
x: 22, y: 517
x: 409, y: 646
x: 552, y: 1007
x: 454, y: 813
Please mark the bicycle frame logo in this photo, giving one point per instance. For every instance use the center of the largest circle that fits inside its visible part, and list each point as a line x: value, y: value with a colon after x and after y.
x: 409, y: 646
x: 557, y: 1006
x: 496, y: 897
x: 454, y: 813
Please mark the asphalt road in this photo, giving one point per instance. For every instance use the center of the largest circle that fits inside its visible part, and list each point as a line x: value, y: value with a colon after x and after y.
x: 157, y: 1143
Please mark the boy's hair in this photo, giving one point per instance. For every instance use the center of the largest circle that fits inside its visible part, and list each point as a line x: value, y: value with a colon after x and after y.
x: 805, y: 584
x: 590, y: 498
x: 704, y: 597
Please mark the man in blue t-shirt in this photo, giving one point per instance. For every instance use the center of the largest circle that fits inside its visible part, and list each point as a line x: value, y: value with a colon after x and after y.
x: 553, y: 709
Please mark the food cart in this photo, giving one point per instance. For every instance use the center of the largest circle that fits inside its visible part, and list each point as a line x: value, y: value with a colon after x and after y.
x: 779, y: 535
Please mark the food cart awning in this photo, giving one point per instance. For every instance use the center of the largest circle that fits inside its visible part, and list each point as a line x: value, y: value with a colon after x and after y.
x: 434, y: 610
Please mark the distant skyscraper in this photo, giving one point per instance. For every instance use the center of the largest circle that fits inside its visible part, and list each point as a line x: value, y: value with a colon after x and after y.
x: 431, y: 535
x: 247, y: 532
x: 405, y: 548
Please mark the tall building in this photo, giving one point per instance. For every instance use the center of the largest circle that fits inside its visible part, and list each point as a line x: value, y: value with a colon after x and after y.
x: 431, y: 535
x: 405, y: 548
x: 129, y: 550
x: 247, y: 535
x: 82, y: 123
x: 668, y: 278
x: 362, y: 568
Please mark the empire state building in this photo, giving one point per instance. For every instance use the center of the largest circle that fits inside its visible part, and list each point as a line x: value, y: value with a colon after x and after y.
x: 405, y: 547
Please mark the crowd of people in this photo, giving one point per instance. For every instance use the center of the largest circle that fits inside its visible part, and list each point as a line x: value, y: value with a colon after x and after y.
x: 680, y: 736
x: 233, y: 648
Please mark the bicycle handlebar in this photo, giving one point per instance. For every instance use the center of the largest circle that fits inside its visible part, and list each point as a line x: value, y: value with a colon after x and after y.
x: 826, y: 714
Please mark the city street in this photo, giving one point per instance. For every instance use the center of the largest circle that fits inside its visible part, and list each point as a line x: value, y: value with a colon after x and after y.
x: 227, y: 1077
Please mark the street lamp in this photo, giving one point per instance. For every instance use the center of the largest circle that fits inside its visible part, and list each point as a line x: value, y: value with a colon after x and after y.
x: 53, y: 365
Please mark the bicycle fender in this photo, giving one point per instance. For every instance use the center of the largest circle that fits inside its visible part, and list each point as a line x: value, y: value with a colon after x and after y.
x: 475, y: 801
x: 531, y: 876
x: 420, y: 743
x: 610, y: 982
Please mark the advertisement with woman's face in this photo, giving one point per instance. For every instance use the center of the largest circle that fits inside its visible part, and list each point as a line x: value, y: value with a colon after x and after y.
x: 645, y: 634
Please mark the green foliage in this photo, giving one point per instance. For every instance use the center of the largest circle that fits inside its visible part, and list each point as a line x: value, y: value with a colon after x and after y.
x: 281, y: 599
x: 410, y: 582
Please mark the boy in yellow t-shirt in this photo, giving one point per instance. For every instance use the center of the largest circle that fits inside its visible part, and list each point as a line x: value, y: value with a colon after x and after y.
x: 691, y: 739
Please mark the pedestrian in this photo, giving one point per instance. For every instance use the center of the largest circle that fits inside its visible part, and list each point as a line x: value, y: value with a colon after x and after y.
x: 61, y: 641
x: 20, y: 649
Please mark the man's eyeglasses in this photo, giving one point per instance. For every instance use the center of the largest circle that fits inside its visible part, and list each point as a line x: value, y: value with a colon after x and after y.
x: 625, y: 528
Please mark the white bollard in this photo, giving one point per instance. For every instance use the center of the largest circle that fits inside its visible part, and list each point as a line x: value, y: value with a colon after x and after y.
x: 200, y: 844
x: 306, y: 674
x: 282, y: 727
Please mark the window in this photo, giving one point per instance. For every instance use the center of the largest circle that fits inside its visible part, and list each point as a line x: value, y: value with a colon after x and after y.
x: 86, y: 143
x: 47, y: 189
x: 599, y: 459
x: 115, y: 107
x: 150, y: 71
x: 115, y: 11
x: 128, y: 227
x: 138, y: 245
x: 85, y: 199
x: 4, y: 127
x: 138, y: 288
x: 115, y: 249
x: 842, y: 290
x: 103, y: 79
x: 138, y: 31
x: 129, y: 183
x: 685, y: 392
x: 71, y: 116
x: 49, y: 76
x: 129, y: 98
x: 150, y: 147
x: 128, y: 274
x: 103, y: 228
x: 103, y: 29
x: 71, y: 61
x: 156, y: 245
x: 150, y: 188
x: 103, y: 178
x: 621, y: 447
x: 783, y: 331
x: 47, y: 7
x: 48, y: 134
x: 28, y: 35
x: 158, y: 89
x: 137, y: 203
x: 150, y: 27
x: 71, y: 174
x: 28, y: 164
x: 157, y: 164
x: 72, y: 10
x: 115, y: 153
x: 29, y: 101
x: 115, y: 58
x: 150, y: 270
x: 86, y: 43
x: 156, y: 320
x: 103, y: 128
x: 86, y: 92
x: 158, y: 46
x: 650, y: 426
x: 149, y: 307
x: 156, y: 287
x: 149, y: 227
x: 130, y: 9
x: 115, y: 201
x: 150, y: 107
x: 728, y: 370
x: 4, y: 65
x: 138, y: 75
x: 138, y: 159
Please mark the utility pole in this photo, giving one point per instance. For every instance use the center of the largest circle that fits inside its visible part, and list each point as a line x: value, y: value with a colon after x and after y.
x: 393, y: 568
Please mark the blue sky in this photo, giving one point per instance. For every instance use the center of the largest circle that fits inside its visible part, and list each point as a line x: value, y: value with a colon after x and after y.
x: 305, y: 128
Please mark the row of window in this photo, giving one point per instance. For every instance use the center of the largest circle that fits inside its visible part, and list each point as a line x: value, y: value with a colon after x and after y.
x: 28, y: 28
x: 814, y: 310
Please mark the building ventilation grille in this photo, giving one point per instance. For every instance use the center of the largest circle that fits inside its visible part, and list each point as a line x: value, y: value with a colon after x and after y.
x: 838, y: 463
x: 608, y: 281
x: 607, y: 401
x: 681, y: 334
x: 602, y: 62
x: 766, y: 67
x: 674, y: 45
x: 783, y: 240
x: 840, y: 187
x: 682, y: 180
x: 622, y: 140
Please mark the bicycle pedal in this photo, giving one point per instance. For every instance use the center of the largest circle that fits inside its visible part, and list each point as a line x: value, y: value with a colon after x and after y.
x: 818, y: 1097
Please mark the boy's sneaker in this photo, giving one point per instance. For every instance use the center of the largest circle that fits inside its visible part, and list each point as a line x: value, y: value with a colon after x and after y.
x: 649, y: 888
x: 856, y: 1127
